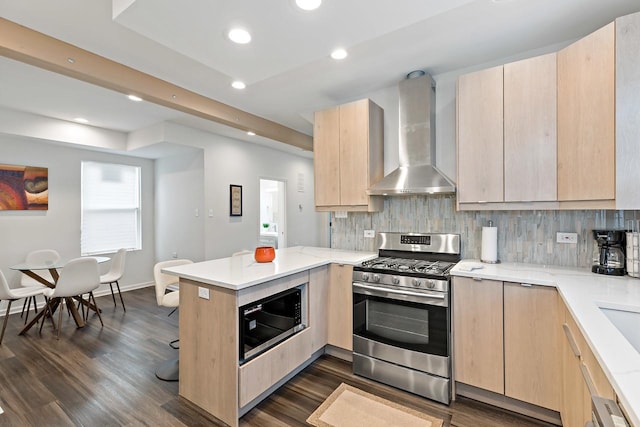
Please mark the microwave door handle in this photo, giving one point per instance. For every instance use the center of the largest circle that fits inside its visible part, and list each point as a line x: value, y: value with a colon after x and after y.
x: 375, y: 290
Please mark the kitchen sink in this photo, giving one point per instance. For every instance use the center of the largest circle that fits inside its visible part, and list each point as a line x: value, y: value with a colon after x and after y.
x: 627, y: 321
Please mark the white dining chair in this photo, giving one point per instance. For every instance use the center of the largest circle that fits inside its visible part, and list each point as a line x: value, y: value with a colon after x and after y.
x: 39, y: 257
x: 10, y: 295
x: 114, y: 274
x: 79, y: 276
x: 169, y: 370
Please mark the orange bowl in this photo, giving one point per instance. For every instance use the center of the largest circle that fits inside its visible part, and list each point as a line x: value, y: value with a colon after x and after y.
x: 265, y: 254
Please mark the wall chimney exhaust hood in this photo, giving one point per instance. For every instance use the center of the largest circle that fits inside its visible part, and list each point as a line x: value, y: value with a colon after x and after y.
x: 416, y: 173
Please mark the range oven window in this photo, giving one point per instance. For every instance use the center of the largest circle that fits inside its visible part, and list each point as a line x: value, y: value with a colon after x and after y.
x: 408, y: 325
x: 269, y: 321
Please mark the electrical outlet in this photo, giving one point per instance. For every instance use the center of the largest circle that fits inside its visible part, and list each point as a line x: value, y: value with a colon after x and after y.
x: 369, y: 234
x: 567, y: 237
x: 174, y: 254
x: 203, y: 292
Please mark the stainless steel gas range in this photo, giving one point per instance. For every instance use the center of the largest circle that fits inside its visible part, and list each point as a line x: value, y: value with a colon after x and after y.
x: 401, y: 316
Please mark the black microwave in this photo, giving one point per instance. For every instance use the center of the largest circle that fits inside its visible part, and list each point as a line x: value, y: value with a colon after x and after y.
x: 269, y: 321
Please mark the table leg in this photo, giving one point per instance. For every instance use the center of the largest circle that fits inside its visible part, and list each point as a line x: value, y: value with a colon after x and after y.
x: 41, y: 279
x: 74, y: 312
x: 38, y: 316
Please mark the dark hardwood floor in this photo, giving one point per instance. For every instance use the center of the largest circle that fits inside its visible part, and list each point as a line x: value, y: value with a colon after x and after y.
x: 97, y: 376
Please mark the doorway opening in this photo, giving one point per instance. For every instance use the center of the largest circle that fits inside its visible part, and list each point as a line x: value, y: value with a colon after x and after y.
x: 273, y: 213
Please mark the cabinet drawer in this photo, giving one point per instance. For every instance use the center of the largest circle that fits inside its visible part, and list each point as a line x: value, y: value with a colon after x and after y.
x: 267, y: 369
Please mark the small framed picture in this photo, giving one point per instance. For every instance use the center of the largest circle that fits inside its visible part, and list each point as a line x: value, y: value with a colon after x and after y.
x: 235, y: 200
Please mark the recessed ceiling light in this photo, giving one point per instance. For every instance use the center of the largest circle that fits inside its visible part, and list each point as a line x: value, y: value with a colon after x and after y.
x: 81, y: 120
x: 308, y: 4
x: 339, y: 54
x: 238, y: 85
x: 239, y: 35
x: 134, y: 98
x: 251, y: 133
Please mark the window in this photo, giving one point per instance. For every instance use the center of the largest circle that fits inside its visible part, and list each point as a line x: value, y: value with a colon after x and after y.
x: 110, y: 208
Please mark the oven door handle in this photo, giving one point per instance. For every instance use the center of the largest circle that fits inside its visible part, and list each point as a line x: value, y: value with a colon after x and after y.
x: 401, y: 295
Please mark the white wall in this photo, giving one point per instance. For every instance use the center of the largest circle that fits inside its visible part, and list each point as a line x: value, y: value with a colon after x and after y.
x: 179, y: 194
x: 228, y: 161
x: 59, y: 227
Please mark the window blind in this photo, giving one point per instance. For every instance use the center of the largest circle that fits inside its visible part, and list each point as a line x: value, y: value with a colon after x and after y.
x: 111, y: 217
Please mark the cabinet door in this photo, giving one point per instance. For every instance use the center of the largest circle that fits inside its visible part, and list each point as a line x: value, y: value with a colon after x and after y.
x: 318, y: 306
x: 478, y: 333
x: 354, y: 153
x: 340, y: 319
x: 586, y: 118
x: 530, y: 135
x: 532, y: 357
x: 573, y: 388
x: 326, y: 157
x: 480, y: 136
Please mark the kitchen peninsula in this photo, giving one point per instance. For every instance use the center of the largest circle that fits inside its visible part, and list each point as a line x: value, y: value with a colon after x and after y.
x: 211, y: 293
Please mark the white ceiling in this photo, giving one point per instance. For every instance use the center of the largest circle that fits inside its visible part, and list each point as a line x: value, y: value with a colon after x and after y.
x: 287, y: 67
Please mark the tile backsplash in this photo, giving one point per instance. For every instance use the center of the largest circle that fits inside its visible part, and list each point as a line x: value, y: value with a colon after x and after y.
x: 523, y: 236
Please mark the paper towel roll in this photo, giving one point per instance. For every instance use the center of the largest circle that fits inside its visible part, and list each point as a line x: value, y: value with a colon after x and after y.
x: 489, y: 245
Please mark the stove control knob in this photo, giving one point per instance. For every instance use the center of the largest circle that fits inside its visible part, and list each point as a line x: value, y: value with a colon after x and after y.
x: 431, y: 284
x: 417, y: 283
x: 365, y: 276
x: 395, y: 280
x: 376, y: 278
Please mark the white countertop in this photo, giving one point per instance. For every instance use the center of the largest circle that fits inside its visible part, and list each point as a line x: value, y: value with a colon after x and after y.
x: 242, y: 271
x: 583, y: 292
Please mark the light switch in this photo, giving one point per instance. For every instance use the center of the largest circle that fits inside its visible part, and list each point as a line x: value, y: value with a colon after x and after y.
x: 210, y: 213
x: 203, y: 293
x: 197, y: 212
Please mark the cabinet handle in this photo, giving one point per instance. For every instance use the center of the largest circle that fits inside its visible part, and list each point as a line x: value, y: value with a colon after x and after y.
x: 572, y: 341
x: 526, y: 285
x: 587, y: 379
x: 477, y: 279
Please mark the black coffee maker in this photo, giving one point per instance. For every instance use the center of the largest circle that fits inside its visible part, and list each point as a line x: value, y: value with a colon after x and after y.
x: 609, y: 256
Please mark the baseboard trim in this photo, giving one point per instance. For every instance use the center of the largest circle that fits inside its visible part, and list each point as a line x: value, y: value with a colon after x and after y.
x: 504, y: 402
x: 17, y: 308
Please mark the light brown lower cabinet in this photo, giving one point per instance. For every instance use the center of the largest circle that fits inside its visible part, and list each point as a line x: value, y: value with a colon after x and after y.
x: 258, y: 375
x: 478, y: 333
x: 340, y: 299
x: 582, y: 376
x: 532, y: 359
x: 506, y: 339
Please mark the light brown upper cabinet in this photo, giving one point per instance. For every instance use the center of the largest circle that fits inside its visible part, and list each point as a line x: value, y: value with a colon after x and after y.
x: 507, y: 134
x: 480, y: 136
x: 348, y: 156
x: 597, y: 87
x: 530, y: 130
x: 586, y: 118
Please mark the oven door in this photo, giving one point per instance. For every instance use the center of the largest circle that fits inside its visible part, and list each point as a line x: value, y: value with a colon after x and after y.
x: 410, y: 320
